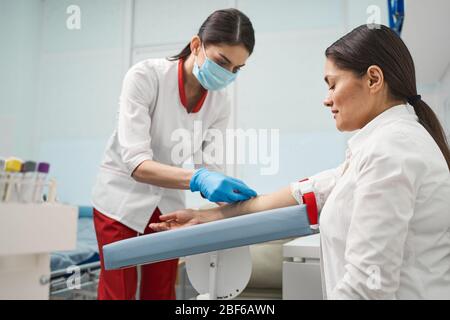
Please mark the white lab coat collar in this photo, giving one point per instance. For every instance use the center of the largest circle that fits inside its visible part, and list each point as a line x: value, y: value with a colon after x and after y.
x: 402, y: 111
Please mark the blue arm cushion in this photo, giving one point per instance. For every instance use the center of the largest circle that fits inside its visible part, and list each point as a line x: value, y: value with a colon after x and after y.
x: 217, y: 235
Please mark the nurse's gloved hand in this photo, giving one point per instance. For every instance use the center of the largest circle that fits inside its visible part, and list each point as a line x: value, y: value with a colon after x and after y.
x: 217, y: 187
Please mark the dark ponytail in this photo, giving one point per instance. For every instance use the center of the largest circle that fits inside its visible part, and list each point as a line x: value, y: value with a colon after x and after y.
x: 366, y: 46
x: 228, y: 26
x: 183, y: 54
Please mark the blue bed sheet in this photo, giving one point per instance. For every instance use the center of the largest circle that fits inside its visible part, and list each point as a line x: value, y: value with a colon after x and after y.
x: 86, y: 251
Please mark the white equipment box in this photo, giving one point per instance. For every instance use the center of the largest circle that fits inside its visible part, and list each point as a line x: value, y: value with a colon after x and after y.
x: 28, y: 233
x: 301, y: 269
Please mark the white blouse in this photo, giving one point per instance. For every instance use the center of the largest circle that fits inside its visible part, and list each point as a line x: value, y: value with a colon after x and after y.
x: 385, y: 214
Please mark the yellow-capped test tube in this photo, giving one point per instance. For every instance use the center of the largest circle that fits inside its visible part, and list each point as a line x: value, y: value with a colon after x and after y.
x: 13, y: 167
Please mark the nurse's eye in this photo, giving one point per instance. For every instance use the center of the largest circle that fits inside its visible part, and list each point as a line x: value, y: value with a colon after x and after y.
x: 222, y: 63
x: 331, y: 87
x: 235, y: 70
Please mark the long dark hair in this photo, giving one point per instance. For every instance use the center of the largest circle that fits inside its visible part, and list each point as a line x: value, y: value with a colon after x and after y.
x: 381, y: 46
x: 228, y: 26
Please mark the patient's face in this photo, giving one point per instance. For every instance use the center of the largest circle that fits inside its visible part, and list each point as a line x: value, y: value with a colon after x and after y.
x: 348, y: 98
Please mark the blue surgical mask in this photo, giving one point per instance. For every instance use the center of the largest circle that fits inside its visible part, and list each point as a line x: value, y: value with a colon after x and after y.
x: 212, y: 76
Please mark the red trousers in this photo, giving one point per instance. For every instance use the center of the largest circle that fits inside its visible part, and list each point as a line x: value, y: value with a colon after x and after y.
x: 157, y: 279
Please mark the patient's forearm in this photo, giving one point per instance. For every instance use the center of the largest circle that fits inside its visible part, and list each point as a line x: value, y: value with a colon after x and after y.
x: 278, y: 199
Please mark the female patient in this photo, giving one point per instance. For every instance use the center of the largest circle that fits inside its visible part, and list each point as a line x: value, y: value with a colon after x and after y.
x: 385, y: 212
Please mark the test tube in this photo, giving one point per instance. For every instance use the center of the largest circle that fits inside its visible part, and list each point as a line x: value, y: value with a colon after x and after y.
x: 41, y: 176
x: 13, y: 178
x: 28, y: 182
x: 2, y: 179
x: 51, y: 197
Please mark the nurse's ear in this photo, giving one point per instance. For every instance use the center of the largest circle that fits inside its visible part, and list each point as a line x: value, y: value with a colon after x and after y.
x: 196, y: 45
x: 375, y: 78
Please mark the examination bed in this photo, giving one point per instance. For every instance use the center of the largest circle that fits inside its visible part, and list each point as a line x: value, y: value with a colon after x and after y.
x: 84, y: 262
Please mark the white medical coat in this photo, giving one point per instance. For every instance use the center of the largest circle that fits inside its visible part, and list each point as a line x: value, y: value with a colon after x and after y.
x: 152, y: 124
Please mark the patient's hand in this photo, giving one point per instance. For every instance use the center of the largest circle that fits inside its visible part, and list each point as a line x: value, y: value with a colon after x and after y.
x: 184, y: 218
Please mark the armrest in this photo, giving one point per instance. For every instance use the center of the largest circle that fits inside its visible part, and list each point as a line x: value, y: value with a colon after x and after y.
x: 218, y: 235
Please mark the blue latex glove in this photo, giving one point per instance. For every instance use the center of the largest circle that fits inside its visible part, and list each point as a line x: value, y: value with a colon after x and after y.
x: 217, y: 187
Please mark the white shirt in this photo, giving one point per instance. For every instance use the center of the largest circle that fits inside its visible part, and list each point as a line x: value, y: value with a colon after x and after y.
x: 385, y: 218
x: 151, y: 123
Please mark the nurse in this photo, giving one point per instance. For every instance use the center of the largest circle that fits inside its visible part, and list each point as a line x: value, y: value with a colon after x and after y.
x: 141, y: 176
x: 385, y: 212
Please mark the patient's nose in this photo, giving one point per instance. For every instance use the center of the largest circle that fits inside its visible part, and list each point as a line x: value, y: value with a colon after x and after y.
x: 328, y: 102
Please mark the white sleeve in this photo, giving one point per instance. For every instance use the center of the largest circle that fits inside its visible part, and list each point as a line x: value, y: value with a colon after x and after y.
x: 383, y: 206
x: 213, y: 151
x: 321, y: 184
x: 134, y: 119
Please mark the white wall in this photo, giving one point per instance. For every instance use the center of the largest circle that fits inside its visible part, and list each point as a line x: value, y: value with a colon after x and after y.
x: 282, y: 87
x: 426, y: 32
x: 60, y: 89
x: 20, y: 26
x: 443, y: 100
x: 80, y: 80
